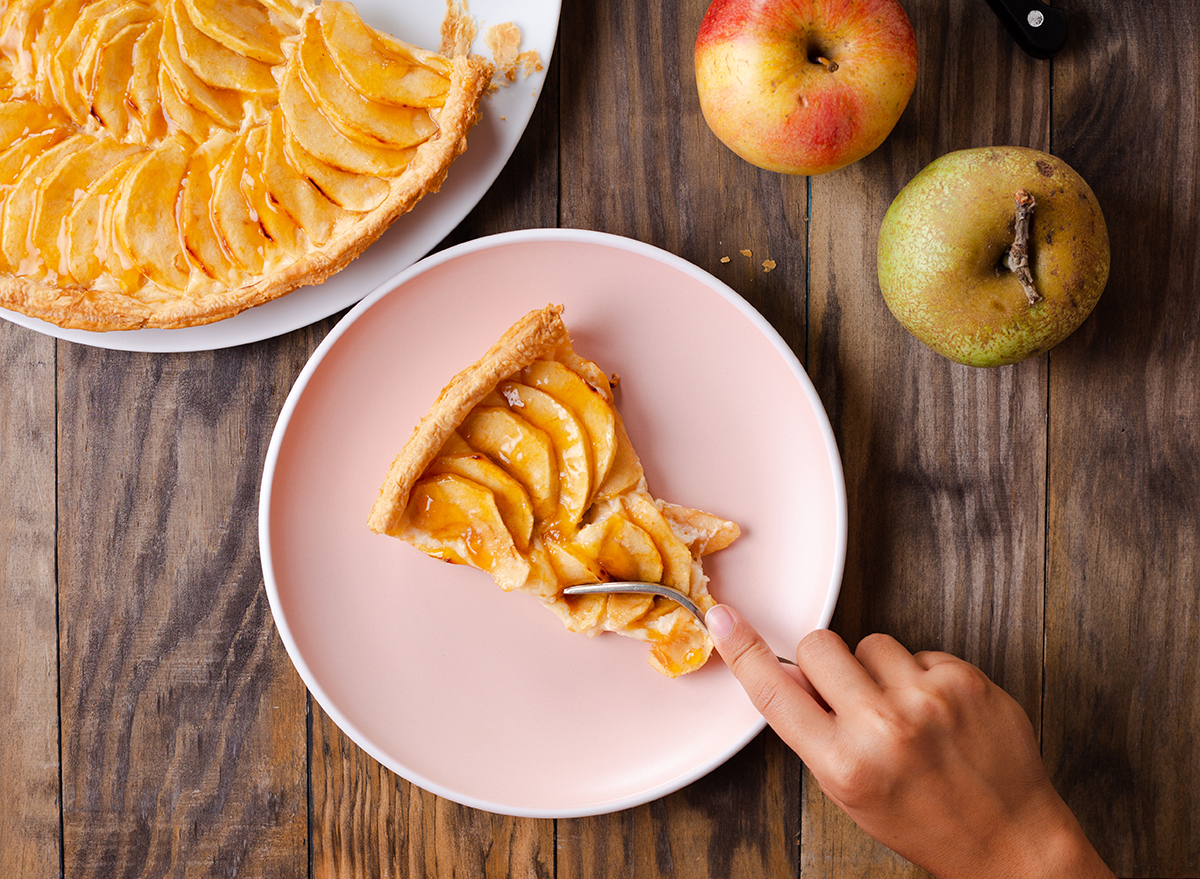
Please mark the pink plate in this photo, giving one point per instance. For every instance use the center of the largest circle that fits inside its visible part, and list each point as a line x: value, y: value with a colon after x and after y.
x: 483, y: 697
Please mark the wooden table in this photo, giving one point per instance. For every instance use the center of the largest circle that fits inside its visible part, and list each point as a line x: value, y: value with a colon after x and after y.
x: 1041, y: 520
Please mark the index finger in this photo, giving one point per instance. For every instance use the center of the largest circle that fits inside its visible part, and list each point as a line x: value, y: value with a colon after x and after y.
x: 787, y: 702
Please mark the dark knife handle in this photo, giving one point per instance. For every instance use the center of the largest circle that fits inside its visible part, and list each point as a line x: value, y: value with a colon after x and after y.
x: 1039, y: 29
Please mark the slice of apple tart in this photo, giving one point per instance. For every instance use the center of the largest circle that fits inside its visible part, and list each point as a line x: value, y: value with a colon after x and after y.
x: 167, y: 163
x: 522, y: 468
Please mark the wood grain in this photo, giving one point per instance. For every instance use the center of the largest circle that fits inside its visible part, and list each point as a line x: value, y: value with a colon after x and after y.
x: 182, y: 719
x: 1123, y: 601
x: 29, y: 759
x: 944, y: 464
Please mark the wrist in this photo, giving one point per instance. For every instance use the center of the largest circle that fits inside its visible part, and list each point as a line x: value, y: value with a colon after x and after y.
x: 1056, y: 848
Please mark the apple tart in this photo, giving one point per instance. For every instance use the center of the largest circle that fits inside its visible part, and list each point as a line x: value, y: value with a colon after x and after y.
x: 167, y: 163
x: 522, y: 468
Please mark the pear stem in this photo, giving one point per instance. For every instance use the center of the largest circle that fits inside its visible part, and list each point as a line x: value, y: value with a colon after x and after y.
x: 1017, y: 260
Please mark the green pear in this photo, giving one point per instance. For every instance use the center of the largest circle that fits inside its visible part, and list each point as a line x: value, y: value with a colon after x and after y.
x: 993, y: 255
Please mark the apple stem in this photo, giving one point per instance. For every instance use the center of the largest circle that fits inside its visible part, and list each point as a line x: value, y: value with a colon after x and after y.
x: 831, y: 66
x: 1018, y: 255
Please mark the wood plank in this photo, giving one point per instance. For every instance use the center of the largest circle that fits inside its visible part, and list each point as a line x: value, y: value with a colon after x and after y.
x: 183, y: 722
x: 367, y: 822
x: 638, y: 160
x: 29, y: 760
x: 1123, y: 607
x: 944, y: 464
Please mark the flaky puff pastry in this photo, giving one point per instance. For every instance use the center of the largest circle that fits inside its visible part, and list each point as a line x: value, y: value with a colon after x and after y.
x: 523, y: 468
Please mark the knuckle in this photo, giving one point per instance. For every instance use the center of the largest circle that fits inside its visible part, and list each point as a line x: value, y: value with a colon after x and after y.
x: 817, y: 643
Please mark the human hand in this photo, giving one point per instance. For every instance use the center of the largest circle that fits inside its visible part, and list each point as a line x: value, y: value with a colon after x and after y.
x: 923, y: 751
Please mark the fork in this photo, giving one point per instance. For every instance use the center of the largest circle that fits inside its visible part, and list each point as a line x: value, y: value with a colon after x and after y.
x: 625, y: 588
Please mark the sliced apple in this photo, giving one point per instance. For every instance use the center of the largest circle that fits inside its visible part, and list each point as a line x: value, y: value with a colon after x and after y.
x: 110, y: 82
x: 296, y: 194
x: 316, y: 134
x: 201, y: 242
x: 21, y: 118
x: 222, y: 105
x: 275, y: 222
x: 19, y: 204
x: 354, y: 115
x: 511, y: 498
x: 624, y: 550
x: 88, y: 238
x: 519, y: 448
x: 572, y: 447
x: 626, y: 471
x: 64, y: 84
x: 215, y: 63
x: 588, y: 404
x: 456, y: 519
x: 181, y: 115
x: 49, y: 232
x: 142, y: 95
x: 57, y: 21
x: 236, y: 224
x: 676, y: 557
x: 572, y: 565
x: 354, y: 192
x: 148, y: 196
x: 244, y: 26
x: 19, y: 25
x: 380, y: 67
x: 108, y: 27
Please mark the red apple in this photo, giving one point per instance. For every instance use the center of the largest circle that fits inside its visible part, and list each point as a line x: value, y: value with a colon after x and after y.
x: 804, y: 86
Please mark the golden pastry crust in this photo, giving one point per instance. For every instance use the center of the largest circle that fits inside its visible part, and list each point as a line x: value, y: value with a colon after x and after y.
x: 103, y: 304
x: 463, y: 489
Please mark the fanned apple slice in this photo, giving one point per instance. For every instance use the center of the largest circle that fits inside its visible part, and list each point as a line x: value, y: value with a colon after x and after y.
x: 60, y: 190
x: 569, y: 439
x: 106, y: 29
x: 238, y: 228
x: 19, y: 206
x: 63, y: 60
x: 215, y: 63
x: 181, y: 115
x: 201, y: 243
x: 57, y: 21
x: 142, y: 96
x: 149, y: 193
x: 458, y: 520
x: 512, y: 500
x: 380, y: 67
x: 355, y: 116
x: 521, y: 449
x: 21, y: 118
x: 592, y: 407
x: 275, y: 222
x: 302, y: 201
x: 88, y: 235
x: 316, y: 134
x: 624, y: 550
x: 676, y: 557
x: 242, y: 25
x: 114, y: 61
x: 354, y: 192
x: 18, y: 28
x: 222, y: 105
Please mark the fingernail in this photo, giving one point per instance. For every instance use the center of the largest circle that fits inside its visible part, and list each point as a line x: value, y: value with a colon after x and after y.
x: 719, y: 621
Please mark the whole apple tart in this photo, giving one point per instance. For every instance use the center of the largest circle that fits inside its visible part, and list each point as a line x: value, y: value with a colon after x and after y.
x: 174, y: 162
x: 523, y: 468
